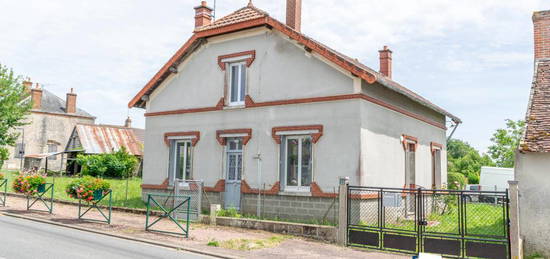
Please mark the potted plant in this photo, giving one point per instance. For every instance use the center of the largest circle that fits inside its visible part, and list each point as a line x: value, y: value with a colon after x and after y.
x: 1, y: 177
x: 29, y: 184
x: 87, y: 188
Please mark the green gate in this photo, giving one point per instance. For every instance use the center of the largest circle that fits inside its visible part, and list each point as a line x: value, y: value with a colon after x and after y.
x: 94, y: 205
x: 4, y: 184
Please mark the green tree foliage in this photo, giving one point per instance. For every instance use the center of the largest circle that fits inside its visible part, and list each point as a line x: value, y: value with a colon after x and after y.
x: 456, y: 181
x: 12, y: 108
x: 465, y: 160
x: 505, y: 142
x: 4, y: 155
x: 120, y: 164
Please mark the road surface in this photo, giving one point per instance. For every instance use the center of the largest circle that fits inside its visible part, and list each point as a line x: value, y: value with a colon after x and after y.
x: 21, y: 239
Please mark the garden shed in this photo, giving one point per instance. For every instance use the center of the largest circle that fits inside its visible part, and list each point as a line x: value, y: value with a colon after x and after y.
x: 102, y: 139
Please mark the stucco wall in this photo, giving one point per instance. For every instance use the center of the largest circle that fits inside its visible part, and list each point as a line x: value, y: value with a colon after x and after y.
x: 382, y: 153
x: 280, y: 71
x: 42, y: 128
x: 335, y: 154
x: 533, y: 173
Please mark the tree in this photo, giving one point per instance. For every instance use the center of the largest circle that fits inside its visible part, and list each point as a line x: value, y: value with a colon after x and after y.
x: 466, y: 160
x: 12, y: 107
x: 506, y: 141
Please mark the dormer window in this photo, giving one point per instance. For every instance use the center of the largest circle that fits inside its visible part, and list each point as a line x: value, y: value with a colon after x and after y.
x: 237, y: 83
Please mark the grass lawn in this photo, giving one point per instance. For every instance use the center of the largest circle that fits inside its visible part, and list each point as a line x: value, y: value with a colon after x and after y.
x: 118, y: 187
x: 481, y: 219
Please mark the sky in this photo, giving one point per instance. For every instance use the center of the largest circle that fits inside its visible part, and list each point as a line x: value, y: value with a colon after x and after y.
x: 473, y: 58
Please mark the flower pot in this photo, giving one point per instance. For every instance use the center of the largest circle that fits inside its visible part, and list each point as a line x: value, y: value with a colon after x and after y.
x: 41, y: 188
x: 98, y: 194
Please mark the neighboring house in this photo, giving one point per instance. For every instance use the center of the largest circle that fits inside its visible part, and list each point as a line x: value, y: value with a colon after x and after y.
x: 102, y: 139
x: 533, y: 159
x: 50, y: 123
x: 247, y: 85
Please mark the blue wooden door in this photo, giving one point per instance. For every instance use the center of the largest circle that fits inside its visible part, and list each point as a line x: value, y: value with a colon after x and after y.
x: 234, y: 158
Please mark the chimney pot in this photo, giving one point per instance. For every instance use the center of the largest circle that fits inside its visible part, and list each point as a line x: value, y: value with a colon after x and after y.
x: 128, y: 122
x: 203, y: 15
x: 294, y: 14
x: 36, y: 97
x: 386, y: 61
x: 70, y: 102
x: 541, y: 25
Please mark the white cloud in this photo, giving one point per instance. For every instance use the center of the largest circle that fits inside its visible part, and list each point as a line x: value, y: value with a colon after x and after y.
x: 107, y: 50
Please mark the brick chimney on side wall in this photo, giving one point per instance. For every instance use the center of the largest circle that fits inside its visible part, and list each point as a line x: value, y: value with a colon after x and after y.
x: 28, y: 85
x: 385, y: 61
x: 70, y: 103
x: 541, y: 24
x: 36, y: 97
x: 294, y: 14
x: 203, y: 15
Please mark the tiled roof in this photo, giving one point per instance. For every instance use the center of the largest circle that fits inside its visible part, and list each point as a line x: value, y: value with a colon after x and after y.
x: 250, y: 16
x: 244, y: 14
x: 537, y: 133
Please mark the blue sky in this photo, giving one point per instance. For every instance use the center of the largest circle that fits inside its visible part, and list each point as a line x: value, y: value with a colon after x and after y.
x: 473, y: 58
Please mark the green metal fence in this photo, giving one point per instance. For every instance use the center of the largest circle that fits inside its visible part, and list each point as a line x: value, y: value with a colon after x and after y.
x: 94, y: 205
x: 3, y: 184
x: 43, y: 190
x: 181, y: 202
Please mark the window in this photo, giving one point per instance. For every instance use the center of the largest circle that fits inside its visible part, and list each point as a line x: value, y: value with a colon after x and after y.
x: 181, y: 162
x: 297, y: 162
x: 237, y: 83
x: 52, y: 148
x: 234, y: 158
x: 410, y: 174
x: 19, y: 150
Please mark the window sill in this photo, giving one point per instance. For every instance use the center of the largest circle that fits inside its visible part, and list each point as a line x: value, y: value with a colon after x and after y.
x: 296, y: 193
x: 235, y: 106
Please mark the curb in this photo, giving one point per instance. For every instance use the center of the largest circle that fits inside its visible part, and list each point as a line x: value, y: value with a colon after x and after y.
x: 192, y: 250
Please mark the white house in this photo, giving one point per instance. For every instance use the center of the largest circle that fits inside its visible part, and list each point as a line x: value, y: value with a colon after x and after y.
x: 532, y: 168
x: 248, y: 85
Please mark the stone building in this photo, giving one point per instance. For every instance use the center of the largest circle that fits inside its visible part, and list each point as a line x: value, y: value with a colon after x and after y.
x: 49, y: 127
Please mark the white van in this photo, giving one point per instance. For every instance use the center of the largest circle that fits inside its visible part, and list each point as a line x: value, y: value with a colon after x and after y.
x: 495, y: 178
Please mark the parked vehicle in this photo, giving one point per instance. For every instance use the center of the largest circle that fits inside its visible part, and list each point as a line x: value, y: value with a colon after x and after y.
x: 491, y: 179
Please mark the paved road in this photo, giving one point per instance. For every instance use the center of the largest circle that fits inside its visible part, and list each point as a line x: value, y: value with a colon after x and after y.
x: 20, y: 239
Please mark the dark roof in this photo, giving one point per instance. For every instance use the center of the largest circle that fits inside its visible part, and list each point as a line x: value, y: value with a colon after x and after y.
x: 51, y: 103
x: 250, y: 16
x: 537, y: 132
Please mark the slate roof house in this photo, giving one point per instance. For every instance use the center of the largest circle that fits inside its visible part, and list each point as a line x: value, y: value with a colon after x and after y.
x: 247, y: 86
x: 533, y: 159
x: 50, y: 121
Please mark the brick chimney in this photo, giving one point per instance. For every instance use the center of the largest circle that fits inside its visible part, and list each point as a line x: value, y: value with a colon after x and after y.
x: 128, y: 122
x: 70, y: 103
x: 36, y: 97
x: 28, y: 85
x: 385, y: 61
x: 294, y: 14
x: 203, y: 15
x: 541, y: 23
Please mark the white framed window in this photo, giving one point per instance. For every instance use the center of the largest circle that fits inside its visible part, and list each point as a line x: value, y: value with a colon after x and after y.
x: 237, y: 83
x: 296, y: 159
x: 234, y: 158
x: 181, y: 159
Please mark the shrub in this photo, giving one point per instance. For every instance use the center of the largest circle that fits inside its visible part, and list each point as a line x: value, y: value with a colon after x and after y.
x: 84, y: 188
x: 4, y: 155
x: 231, y: 212
x: 473, y: 178
x: 120, y: 164
x: 28, y: 183
x: 456, y: 181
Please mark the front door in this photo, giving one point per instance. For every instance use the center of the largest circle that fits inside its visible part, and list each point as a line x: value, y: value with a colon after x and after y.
x: 233, y: 172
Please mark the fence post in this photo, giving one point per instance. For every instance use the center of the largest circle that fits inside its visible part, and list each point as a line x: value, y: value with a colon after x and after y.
x: 214, y: 208
x: 342, y: 210
x: 515, y: 239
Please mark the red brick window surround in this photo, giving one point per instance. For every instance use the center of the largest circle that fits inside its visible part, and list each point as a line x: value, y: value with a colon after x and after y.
x: 222, y: 135
x: 316, y: 131
x: 435, y: 146
x: 248, y: 56
x: 409, y: 143
x: 194, y: 136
